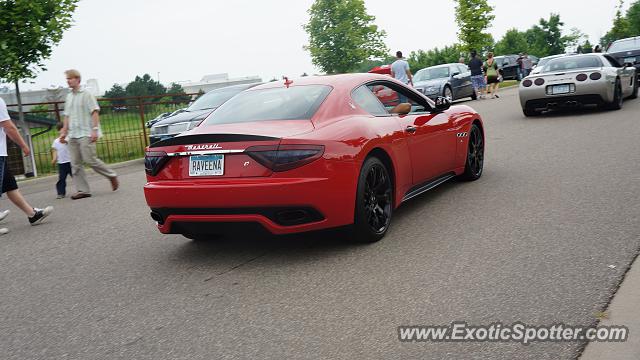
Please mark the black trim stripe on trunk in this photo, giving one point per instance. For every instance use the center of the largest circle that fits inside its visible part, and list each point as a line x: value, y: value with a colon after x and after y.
x: 210, y: 138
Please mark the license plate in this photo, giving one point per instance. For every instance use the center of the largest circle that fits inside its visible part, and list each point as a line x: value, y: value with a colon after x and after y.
x: 206, y: 165
x: 560, y: 89
x: 630, y: 60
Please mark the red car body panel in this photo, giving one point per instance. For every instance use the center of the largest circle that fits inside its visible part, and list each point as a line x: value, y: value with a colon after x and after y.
x: 248, y: 190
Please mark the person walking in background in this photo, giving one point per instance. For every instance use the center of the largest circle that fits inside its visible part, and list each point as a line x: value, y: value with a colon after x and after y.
x: 60, y: 154
x: 8, y: 182
x: 490, y: 68
x: 81, y: 130
x: 400, y: 70
x: 527, y: 64
x: 520, y: 67
x: 597, y: 49
x: 477, y: 75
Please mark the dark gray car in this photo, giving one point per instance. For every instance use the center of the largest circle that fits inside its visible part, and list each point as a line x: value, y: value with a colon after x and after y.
x: 448, y: 80
x: 187, y: 119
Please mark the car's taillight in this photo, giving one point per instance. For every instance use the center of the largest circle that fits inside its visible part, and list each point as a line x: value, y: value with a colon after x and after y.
x: 154, y: 161
x: 581, y: 77
x: 285, y: 157
x: 527, y: 83
x: 539, y: 81
x: 595, y: 76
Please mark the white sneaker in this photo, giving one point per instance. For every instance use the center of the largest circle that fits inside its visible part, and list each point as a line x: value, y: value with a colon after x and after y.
x: 3, y: 214
x: 4, y: 231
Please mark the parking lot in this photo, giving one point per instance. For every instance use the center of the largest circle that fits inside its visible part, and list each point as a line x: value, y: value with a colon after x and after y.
x: 545, y: 236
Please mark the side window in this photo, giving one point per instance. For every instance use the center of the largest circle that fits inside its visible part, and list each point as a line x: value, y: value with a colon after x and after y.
x: 390, y: 98
x: 368, y: 101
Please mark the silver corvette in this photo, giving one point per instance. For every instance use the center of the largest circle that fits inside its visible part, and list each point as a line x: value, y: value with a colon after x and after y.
x: 577, y: 80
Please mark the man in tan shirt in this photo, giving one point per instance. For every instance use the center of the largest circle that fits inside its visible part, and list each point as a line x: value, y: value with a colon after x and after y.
x: 81, y: 130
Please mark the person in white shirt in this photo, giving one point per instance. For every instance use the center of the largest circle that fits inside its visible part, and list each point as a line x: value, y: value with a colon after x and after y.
x: 60, y: 154
x: 7, y: 180
x: 401, y: 72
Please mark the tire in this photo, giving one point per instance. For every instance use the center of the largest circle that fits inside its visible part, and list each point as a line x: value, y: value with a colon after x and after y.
x: 475, y: 155
x: 634, y: 94
x: 616, y: 104
x: 374, y: 209
x: 447, y: 92
x: 529, y: 112
x: 474, y: 95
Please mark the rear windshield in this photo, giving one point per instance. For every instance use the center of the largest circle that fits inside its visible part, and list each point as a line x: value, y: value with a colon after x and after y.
x: 572, y: 62
x: 625, y: 45
x: 431, y: 73
x: 213, y: 99
x: 294, y: 103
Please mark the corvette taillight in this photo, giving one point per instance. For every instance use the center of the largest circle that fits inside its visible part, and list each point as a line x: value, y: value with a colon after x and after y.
x: 539, y: 81
x: 154, y: 161
x: 581, y: 77
x: 595, y: 76
x: 285, y: 157
x: 527, y: 83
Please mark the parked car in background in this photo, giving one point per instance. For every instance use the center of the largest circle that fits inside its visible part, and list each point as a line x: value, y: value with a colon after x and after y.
x: 452, y: 81
x: 162, y: 117
x: 508, y: 65
x: 577, y: 80
x: 626, y: 51
x: 186, y: 119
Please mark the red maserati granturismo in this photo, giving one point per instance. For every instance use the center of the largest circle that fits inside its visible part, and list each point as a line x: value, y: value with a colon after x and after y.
x: 309, y: 154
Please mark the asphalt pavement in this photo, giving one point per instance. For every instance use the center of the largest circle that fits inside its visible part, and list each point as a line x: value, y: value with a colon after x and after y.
x: 545, y: 236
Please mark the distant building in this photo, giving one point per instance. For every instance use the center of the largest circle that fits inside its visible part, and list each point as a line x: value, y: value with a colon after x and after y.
x: 216, y: 81
x: 52, y: 94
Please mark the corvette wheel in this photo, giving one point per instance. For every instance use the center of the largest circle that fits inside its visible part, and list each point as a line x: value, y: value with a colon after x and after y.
x: 374, y: 202
x: 475, y: 155
x: 616, y: 104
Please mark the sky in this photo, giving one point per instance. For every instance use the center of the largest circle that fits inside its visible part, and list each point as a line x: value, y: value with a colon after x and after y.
x: 115, y: 40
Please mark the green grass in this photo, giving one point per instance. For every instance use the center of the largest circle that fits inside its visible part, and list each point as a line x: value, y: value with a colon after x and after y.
x: 508, y: 83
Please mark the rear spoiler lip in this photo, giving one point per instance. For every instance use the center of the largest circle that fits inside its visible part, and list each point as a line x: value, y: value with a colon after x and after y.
x: 209, y: 139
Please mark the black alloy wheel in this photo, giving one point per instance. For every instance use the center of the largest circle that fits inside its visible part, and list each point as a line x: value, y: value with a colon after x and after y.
x: 475, y: 155
x: 374, y: 202
x: 616, y: 104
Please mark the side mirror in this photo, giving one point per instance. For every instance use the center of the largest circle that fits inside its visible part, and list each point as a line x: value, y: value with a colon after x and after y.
x: 442, y: 103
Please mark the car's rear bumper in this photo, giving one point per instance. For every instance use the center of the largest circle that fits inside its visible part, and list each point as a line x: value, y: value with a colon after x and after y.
x: 571, y: 101
x: 281, y: 205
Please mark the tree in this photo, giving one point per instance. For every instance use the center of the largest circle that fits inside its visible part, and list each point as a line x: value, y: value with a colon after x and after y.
x: 342, y: 35
x: 144, y: 86
x: 473, y: 18
x: 30, y: 29
x: 620, y: 28
x: 116, y: 92
x: 633, y: 18
x: 587, y: 47
x: 421, y: 59
x: 513, y: 42
x: 177, y: 89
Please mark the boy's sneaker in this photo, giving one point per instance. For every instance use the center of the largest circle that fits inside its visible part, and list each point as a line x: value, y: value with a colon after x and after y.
x: 3, y: 214
x: 4, y: 231
x: 60, y: 197
x: 40, y: 215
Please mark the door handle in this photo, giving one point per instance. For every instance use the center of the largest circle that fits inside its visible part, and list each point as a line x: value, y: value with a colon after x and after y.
x: 411, y: 129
